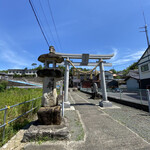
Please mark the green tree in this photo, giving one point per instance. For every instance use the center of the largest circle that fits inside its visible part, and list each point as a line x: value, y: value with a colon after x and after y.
x: 39, y: 67
x: 33, y: 64
x: 113, y: 71
x: 62, y: 68
x: 133, y: 66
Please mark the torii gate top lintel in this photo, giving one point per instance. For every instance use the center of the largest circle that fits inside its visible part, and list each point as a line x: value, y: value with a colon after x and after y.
x: 91, y: 56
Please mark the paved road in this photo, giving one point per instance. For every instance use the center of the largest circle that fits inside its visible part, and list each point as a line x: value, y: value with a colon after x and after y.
x: 102, y: 132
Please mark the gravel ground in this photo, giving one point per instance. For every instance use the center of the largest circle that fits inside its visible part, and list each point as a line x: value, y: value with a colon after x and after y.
x: 135, y: 119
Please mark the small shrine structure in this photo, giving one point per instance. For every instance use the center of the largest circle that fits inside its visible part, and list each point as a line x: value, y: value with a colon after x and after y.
x: 49, y: 113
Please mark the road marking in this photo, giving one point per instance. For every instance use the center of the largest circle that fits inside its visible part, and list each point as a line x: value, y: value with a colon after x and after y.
x: 72, y: 98
x: 82, y: 98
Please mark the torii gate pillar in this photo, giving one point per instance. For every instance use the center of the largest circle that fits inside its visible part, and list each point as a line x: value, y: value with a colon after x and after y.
x: 104, y: 102
x: 66, y: 85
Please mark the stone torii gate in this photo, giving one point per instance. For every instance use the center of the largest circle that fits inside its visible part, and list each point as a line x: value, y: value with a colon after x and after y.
x: 85, y: 62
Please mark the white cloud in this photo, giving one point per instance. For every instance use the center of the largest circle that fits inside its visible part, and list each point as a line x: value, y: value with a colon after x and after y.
x: 136, y: 55
x: 10, y: 53
x: 115, y: 52
x: 124, y: 58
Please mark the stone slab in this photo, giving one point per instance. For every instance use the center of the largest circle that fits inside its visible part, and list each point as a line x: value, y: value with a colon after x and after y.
x: 38, y: 132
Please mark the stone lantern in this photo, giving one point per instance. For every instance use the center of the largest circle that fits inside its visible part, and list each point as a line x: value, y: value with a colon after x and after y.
x: 49, y: 113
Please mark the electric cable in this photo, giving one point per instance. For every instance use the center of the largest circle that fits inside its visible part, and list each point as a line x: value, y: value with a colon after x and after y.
x: 33, y: 9
x: 49, y: 6
x: 47, y: 24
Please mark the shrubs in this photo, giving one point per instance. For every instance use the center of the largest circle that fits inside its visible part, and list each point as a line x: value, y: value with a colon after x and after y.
x: 14, y: 96
x: 3, y: 85
x: 24, y: 75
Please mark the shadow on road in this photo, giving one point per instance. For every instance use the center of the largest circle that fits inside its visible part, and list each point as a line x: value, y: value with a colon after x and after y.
x: 80, y: 104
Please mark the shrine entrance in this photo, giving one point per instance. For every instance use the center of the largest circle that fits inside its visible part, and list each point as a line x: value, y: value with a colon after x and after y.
x: 98, y: 61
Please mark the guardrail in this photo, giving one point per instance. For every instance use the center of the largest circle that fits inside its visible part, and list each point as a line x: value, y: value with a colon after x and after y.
x: 5, y: 123
x: 88, y: 90
x: 137, y: 96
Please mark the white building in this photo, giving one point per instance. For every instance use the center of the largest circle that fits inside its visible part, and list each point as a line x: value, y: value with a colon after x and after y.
x: 144, y: 69
x: 3, y: 76
x: 22, y: 72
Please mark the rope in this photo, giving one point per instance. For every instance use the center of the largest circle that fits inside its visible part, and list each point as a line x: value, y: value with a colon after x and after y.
x: 85, y: 72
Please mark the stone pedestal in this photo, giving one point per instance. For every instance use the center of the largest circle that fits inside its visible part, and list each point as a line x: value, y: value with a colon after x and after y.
x: 105, y: 104
x: 38, y: 132
x: 49, y: 115
x: 67, y: 104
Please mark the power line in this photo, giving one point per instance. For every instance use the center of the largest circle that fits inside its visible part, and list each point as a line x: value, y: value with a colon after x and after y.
x: 38, y: 22
x: 54, y: 23
x: 47, y: 23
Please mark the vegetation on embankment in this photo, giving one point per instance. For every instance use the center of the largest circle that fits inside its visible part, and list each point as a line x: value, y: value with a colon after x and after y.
x: 14, y: 96
x: 3, y: 85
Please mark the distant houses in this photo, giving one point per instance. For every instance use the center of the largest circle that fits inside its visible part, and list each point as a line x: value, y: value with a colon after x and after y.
x: 132, y: 80
x: 144, y: 69
x: 108, y: 76
x: 3, y: 76
x: 22, y: 72
x: 86, y: 81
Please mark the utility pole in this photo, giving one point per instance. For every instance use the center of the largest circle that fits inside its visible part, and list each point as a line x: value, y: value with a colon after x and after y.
x: 146, y: 31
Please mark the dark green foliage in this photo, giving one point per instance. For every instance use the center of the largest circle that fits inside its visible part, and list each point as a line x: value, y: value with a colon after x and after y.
x: 62, y: 68
x: 125, y: 71
x: 39, y: 67
x: 6, y: 71
x: 133, y: 66
x: 33, y: 64
x: 113, y: 71
x: 14, y: 96
x: 24, y: 75
x: 3, y: 85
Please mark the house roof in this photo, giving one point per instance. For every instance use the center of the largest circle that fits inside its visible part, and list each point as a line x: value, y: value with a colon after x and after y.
x: 15, y: 69
x: 21, y: 70
x: 114, y: 75
x: 144, y: 53
x: 133, y: 74
x: 131, y: 77
x: 119, y: 81
x: 3, y: 73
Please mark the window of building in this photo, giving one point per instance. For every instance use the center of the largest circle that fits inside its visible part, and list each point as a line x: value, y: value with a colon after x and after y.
x: 144, y: 68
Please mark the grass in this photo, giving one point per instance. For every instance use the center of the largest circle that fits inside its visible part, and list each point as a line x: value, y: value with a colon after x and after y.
x: 15, y: 96
x: 81, y: 133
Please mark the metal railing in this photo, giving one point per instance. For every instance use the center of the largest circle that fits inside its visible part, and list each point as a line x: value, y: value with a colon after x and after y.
x: 137, y: 96
x: 5, y: 123
x: 88, y: 90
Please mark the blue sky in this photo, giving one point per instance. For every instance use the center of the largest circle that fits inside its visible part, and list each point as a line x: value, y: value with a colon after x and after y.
x: 84, y: 26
